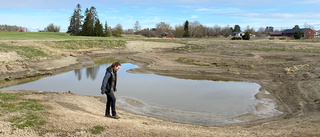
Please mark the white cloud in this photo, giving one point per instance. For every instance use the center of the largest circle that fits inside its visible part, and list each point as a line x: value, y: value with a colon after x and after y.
x: 194, y: 16
x: 307, y: 2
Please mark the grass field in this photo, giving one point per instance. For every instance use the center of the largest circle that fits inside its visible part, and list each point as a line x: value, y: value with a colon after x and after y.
x: 45, y: 36
x: 35, y: 45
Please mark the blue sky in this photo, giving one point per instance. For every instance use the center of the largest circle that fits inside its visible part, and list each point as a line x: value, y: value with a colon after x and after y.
x: 281, y: 14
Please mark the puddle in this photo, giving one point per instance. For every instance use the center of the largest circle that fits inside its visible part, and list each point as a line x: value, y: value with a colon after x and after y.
x: 183, y: 100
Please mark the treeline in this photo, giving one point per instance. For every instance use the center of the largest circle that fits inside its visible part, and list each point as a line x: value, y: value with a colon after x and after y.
x: 90, y: 25
x: 197, y: 30
x: 10, y: 28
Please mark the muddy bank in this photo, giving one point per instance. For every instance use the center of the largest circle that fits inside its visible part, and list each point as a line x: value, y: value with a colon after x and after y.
x: 291, y: 76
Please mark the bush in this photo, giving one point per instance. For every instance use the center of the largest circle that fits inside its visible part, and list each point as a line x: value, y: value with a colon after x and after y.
x: 246, y: 36
x: 147, y: 33
x: 282, y: 38
x: 52, y: 28
x: 297, y: 35
x: 236, y: 38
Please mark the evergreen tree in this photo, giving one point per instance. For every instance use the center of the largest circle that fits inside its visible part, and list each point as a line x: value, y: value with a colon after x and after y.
x: 89, y: 22
x: 296, y: 27
x: 106, y: 30
x: 186, y: 29
x: 98, y: 29
x: 297, y: 35
x: 246, y: 36
x: 75, y: 22
x: 236, y: 28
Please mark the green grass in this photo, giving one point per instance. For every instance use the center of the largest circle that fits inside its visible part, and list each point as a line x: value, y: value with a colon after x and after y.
x: 41, y: 36
x: 87, y: 44
x: 29, y: 52
x: 30, y: 110
x: 180, y: 59
x: 29, y: 120
x: 57, y: 36
x: 101, y: 61
x: 97, y: 129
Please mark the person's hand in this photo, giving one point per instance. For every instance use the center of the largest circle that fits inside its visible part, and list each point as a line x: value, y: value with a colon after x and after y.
x: 115, y: 91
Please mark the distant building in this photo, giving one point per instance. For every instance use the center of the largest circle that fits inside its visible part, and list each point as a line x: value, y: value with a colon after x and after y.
x: 276, y: 34
x: 305, y: 32
x: 269, y: 29
x: 21, y: 29
x: 167, y: 35
x: 317, y: 34
x: 237, y: 34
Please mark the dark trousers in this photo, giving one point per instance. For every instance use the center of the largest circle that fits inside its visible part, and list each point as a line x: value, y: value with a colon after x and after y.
x: 111, y: 102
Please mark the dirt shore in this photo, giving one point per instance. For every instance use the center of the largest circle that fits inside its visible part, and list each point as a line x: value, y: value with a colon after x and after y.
x: 292, y: 76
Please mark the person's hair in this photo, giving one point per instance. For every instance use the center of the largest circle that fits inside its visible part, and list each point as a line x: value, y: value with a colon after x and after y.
x: 114, y: 64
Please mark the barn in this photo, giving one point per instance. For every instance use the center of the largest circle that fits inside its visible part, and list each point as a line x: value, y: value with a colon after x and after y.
x: 276, y: 34
x: 305, y: 32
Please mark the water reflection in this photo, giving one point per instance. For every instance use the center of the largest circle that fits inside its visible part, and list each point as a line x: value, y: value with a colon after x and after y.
x: 90, y: 73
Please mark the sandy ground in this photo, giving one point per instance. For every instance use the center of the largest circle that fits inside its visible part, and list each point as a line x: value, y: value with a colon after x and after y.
x: 291, y: 77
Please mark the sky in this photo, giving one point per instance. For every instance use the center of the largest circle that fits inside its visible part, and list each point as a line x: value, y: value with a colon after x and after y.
x: 280, y: 14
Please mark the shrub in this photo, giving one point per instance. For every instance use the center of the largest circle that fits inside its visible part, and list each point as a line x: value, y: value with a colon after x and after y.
x: 236, y: 38
x: 297, y: 35
x: 246, y: 36
x: 282, y: 38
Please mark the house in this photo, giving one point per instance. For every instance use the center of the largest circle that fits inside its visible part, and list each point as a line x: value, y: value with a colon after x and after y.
x: 276, y: 34
x: 305, y: 32
x: 317, y: 34
x: 21, y: 29
x: 167, y: 35
x: 237, y: 34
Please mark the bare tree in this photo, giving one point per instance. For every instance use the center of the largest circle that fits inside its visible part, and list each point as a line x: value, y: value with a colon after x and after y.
x: 260, y: 31
x: 137, y: 26
x: 217, y: 30
x: 193, y: 27
x: 162, y: 28
x: 199, y: 31
x: 306, y: 25
x: 179, y: 31
x: 250, y: 30
x: 52, y: 28
x: 227, y: 31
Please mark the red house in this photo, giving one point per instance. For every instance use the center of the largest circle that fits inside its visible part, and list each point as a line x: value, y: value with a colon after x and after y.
x: 305, y: 32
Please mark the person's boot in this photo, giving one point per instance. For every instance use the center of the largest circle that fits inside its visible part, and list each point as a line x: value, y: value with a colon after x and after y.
x: 116, y: 117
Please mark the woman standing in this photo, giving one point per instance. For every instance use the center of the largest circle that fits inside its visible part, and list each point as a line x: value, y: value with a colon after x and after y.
x: 109, y: 87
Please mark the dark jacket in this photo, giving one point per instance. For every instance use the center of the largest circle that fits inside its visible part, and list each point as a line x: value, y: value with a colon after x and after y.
x: 107, y: 80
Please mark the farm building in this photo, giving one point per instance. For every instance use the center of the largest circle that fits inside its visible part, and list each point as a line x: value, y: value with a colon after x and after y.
x: 237, y: 34
x: 167, y: 35
x: 317, y: 34
x: 305, y: 32
x: 276, y: 34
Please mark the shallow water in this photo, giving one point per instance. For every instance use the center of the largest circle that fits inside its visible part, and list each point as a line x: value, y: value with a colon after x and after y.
x: 191, y: 101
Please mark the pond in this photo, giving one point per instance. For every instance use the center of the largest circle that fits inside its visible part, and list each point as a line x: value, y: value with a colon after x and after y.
x: 183, y: 100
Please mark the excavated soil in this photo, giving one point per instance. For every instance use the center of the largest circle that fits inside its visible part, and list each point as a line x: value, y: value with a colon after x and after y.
x: 291, y: 76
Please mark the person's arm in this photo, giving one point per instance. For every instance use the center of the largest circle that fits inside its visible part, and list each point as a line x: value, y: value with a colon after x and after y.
x: 104, y: 82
